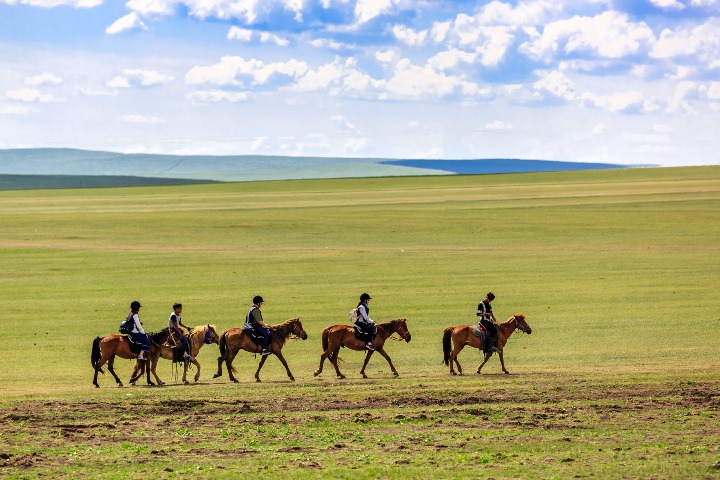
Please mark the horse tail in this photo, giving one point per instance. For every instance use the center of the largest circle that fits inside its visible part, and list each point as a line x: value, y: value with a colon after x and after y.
x: 223, y: 344
x: 95, y: 354
x: 446, y: 344
x: 325, y: 341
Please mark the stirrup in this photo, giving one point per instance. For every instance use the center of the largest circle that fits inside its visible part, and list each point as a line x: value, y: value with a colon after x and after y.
x: 265, y: 352
x: 370, y: 346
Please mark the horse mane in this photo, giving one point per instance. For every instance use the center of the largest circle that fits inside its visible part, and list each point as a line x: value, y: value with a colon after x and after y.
x: 284, y: 329
x: 391, y: 323
x: 157, y: 336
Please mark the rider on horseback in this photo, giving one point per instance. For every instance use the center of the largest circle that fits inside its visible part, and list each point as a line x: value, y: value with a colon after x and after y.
x: 137, y: 333
x: 175, y: 323
x: 254, y: 320
x: 487, y: 320
x: 364, y: 322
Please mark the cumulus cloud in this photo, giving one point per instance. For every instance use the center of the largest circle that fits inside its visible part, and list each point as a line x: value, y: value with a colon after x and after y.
x: 234, y: 71
x: 557, y: 84
x: 668, y: 4
x: 366, y: 10
x: 43, y: 79
x: 241, y: 34
x: 701, y: 40
x: 29, y: 95
x: 499, y: 125
x: 57, y: 3
x: 610, y: 35
x: 129, y: 23
x: 385, y: 57
x: 408, y: 36
x: 620, y: 102
x: 132, y: 78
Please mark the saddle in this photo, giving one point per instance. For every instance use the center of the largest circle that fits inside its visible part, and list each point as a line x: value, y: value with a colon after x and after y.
x: 257, y: 339
x: 485, y: 337
x: 135, y: 347
x: 362, y: 335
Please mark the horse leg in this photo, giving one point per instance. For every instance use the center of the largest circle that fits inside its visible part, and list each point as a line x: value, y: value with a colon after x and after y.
x: 153, y: 365
x: 382, y: 352
x: 138, y: 372
x: 453, y: 358
x: 262, y: 362
x: 197, y: 364
x: 502, y: 362
x: 324, y: 355
x: 367, y: 359
x: 334, y: 360
x: 287, y: 369
x: 110, y: 364
x: 98, y: 368
x: 228, y: 363
x: 487, y: 357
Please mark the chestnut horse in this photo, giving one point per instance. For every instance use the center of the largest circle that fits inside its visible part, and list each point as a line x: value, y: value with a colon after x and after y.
x: 234, y: 340
x: 463, y: 335
x: 199, y: 336
x: 344, y: 336
x: 105, y: 349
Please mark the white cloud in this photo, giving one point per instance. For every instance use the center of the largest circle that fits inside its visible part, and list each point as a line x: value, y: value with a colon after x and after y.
x: 535, y: 12
x: 15, y: 109
x: 410, y: 37
x: 43, y: 79
x: 57, y: 3
x: 620, y: 102
x: 343, y: 124
x: 148, y: 8
x: 242, y: 34
x: 385, y: 57
x: 702, y: 41
x: 215, y: 96
x: 129, y: 23
x: 132, y: 78
x: 668, y: 4
x: 499, y: 125
x: 366, y: 10
x: 599, y: 129
x: 29, y: 95
x: 231, y: 71
x: 97, y: 93
x: 266, y: 37
x: 355, y: 145
x: 146, y: 120
x: 556, y: 83
x: 450, y: 59
x: 609, y: 34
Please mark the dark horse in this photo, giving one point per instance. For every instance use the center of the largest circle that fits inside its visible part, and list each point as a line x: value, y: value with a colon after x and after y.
x: 104, y: 349
x: 463, y: 335
x: 235, y: 339
x: 344, y: 336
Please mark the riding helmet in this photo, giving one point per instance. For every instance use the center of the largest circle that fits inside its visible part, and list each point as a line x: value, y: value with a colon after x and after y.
x: 257, y: 299
x: 365, y: 297
x: 490, y: 296
x: 177, y: 305
x: 135, y: 305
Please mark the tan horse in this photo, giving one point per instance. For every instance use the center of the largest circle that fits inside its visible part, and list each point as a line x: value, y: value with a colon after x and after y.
x: 463, y: 335
x: 106, y: 348
x: 199, y: 336
x: 234, y: 340
x: 344, y: 336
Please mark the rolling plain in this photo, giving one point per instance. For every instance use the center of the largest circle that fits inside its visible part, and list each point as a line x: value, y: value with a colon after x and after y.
x: 616, y: 270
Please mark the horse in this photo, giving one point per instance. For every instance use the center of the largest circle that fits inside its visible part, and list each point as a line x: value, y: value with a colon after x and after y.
x: 104, y: 349
x: 338, y: 336
x: 462, y: 335
x: 235, y: 339
x: 199, y: 336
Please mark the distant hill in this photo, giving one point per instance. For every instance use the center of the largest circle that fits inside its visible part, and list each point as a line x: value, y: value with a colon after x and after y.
x: 69, y: 168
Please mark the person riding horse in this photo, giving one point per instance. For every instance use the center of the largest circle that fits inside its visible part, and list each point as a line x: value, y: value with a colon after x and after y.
x: 255, y: 323
x: 138, y: 333
x: 487, y: 320
x: 364, y: 322
x: 175, y: 323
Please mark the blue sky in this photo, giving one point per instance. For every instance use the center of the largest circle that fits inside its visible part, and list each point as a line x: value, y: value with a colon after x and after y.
x: 630, y: 82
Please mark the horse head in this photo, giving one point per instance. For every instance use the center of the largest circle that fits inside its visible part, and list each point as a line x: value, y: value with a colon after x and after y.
x: 297, y: 328
x: 521, y: 323
x: 401, y: 329
x: 211, y: 335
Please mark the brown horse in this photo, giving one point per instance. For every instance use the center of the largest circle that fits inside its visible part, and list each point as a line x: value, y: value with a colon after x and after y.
x: 105, y: 349
x: 344, y: 336
x: 234, y: 340
x: 198, y: 337
x: 463, y: 335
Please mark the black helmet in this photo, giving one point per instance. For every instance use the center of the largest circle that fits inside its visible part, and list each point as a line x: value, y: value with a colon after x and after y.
x: 257, y: 299
x: 490, y: 296
x: 177, y: 305
x: 135, y: 305
x: 365, y: 297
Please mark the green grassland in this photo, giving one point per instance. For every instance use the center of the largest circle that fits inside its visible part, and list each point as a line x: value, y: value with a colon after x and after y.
x: 617, y: 272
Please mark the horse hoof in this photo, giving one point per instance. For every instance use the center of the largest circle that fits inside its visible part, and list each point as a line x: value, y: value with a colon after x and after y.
x: 217, y: 375
x: 341, y: 377
x: 317, y: 372
x: 292, y: 378
x: 257, y: 380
